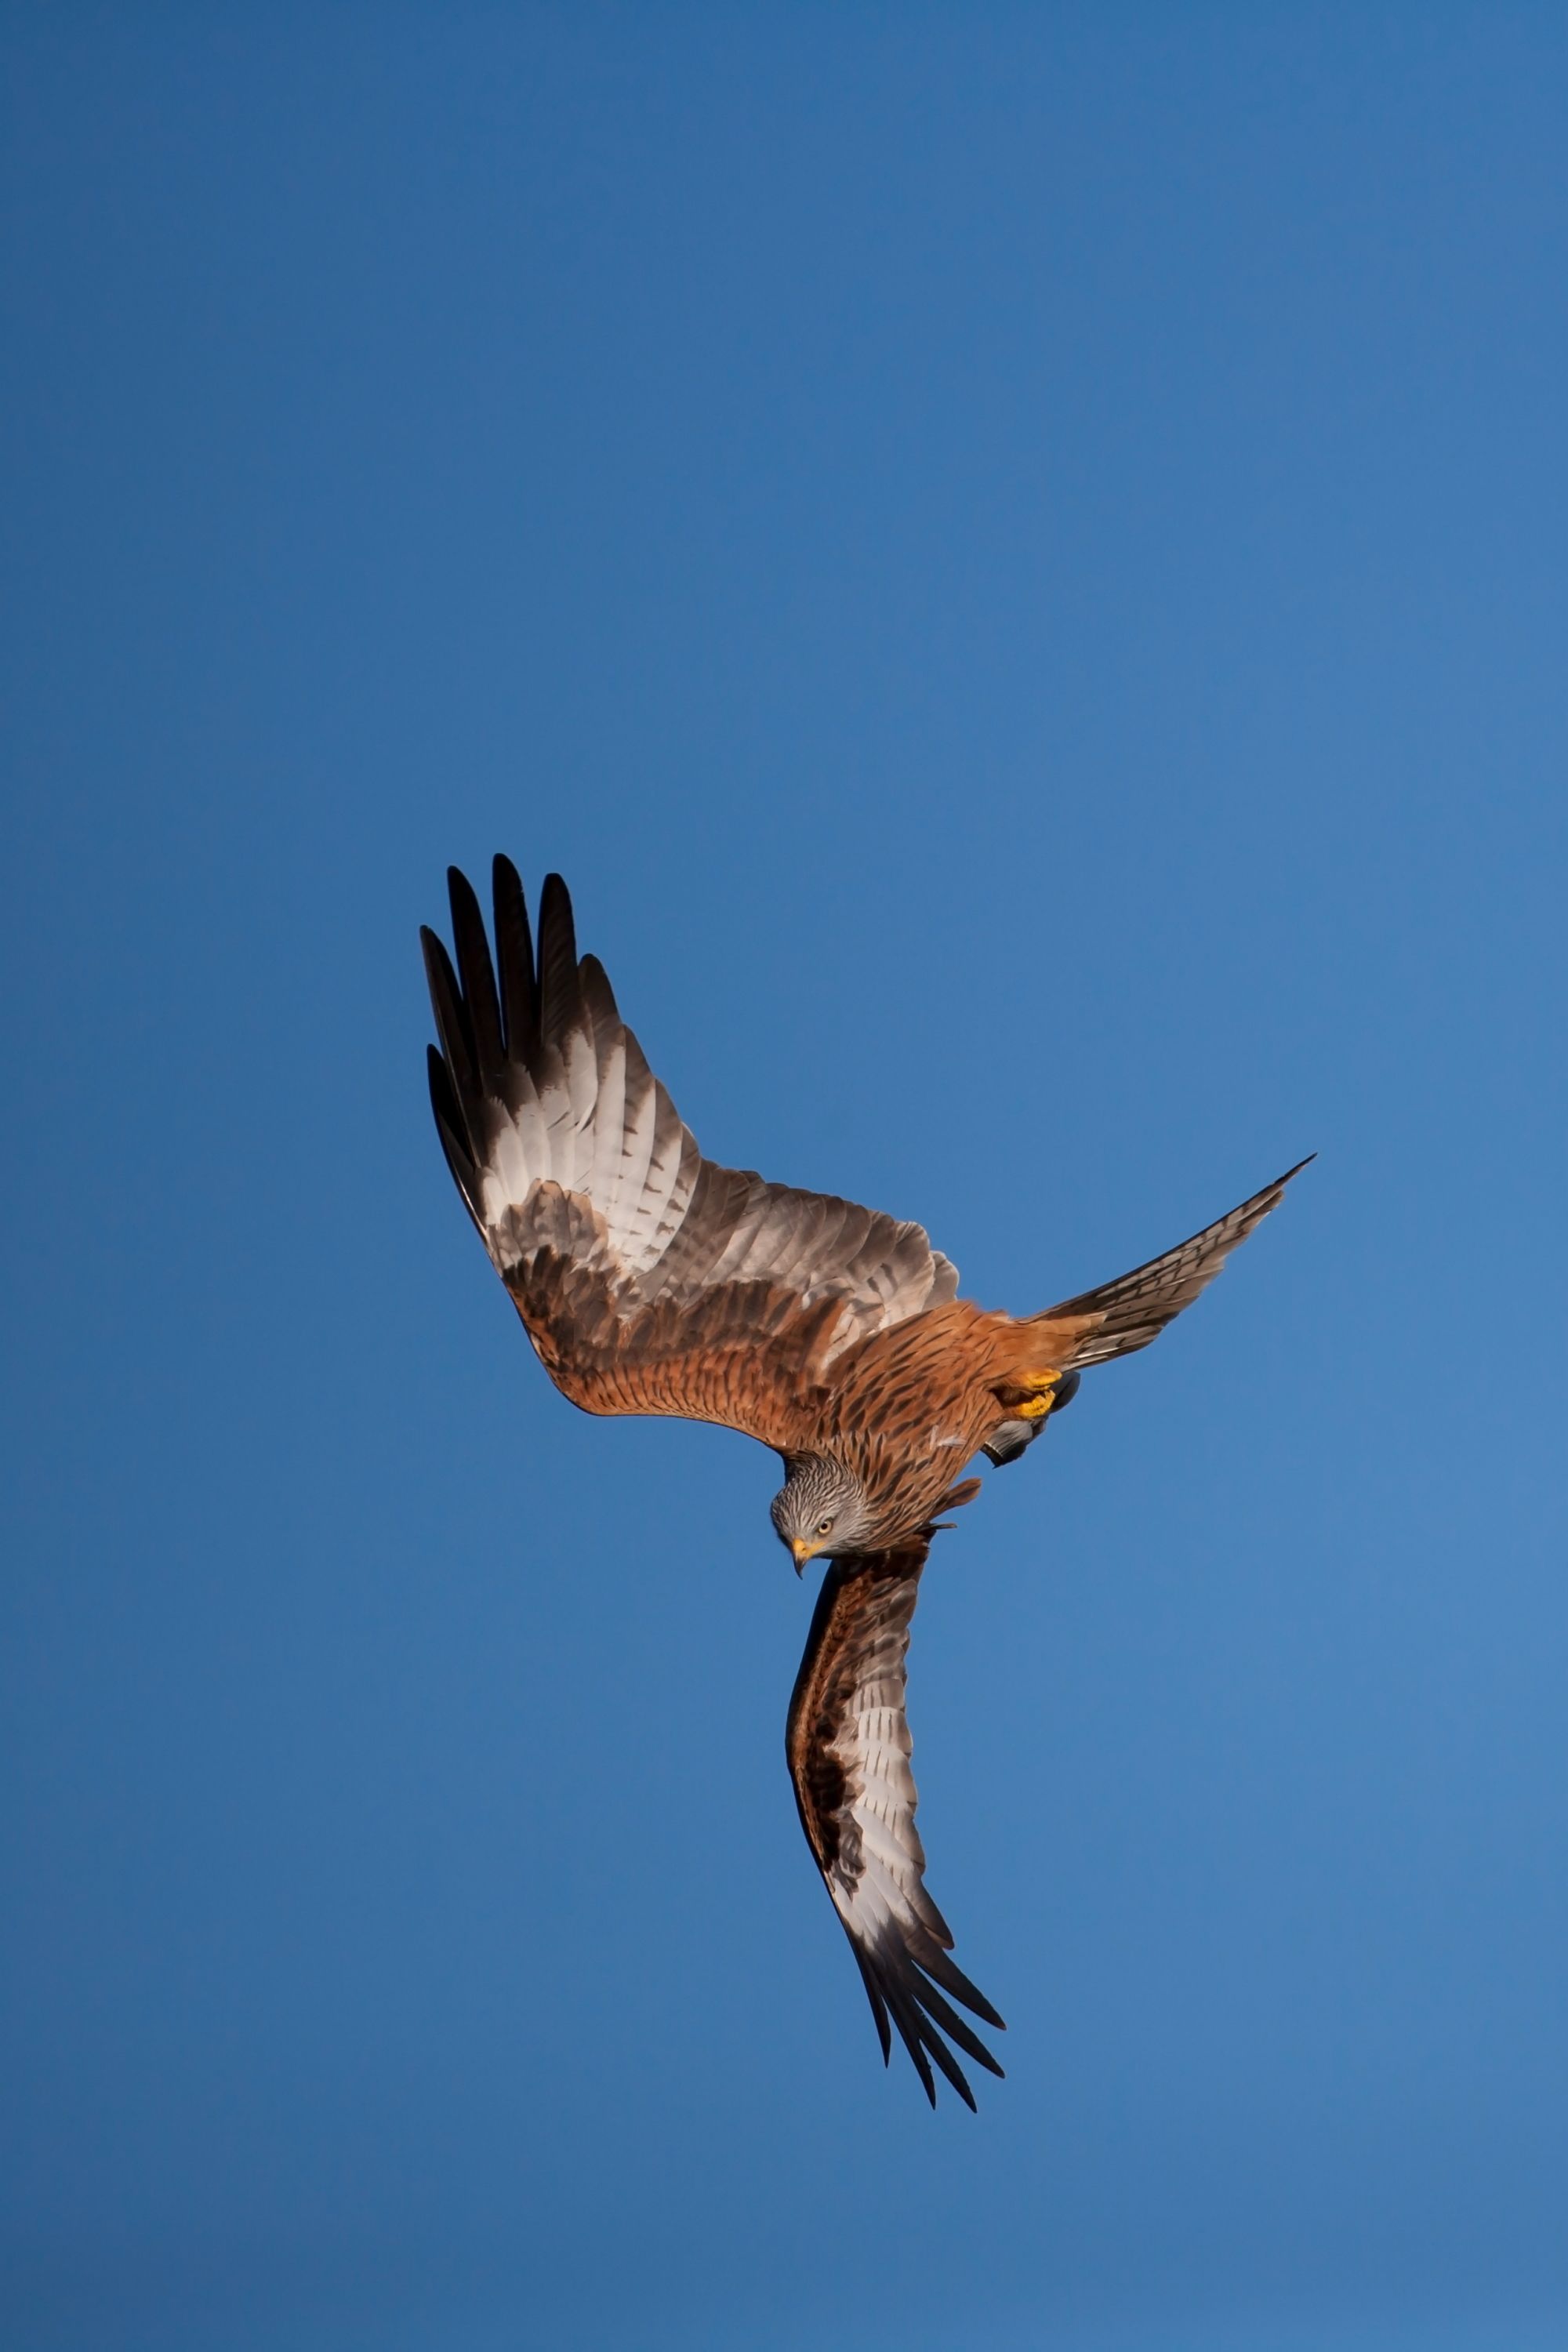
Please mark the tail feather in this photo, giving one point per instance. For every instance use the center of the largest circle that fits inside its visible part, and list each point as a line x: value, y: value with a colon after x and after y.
x: 1125, y: 1315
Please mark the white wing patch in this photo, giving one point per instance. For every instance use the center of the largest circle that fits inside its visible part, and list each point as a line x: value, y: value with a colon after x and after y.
x: 588, y: 1126
x: 850, y: 1746
x: 575, y: 1104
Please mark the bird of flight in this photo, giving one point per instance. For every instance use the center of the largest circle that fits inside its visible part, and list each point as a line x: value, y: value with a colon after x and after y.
x: 652, y: 1280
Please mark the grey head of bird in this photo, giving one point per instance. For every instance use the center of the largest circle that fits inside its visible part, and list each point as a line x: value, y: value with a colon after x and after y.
x: 821, y: 1508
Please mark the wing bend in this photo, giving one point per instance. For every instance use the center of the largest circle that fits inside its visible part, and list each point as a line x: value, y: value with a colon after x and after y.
x: 848, y: 1747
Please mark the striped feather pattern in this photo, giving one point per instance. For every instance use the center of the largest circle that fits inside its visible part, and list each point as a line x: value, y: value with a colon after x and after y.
x: 1122, y: 1315
x: 848, y: 1746
x: 650, y: 1278
x: 653, y: 1280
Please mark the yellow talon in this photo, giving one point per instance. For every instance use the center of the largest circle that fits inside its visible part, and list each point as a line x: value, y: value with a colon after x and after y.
x: 1039, y: 1395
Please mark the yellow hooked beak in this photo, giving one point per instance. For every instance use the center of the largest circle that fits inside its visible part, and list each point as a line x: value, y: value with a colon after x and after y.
x: 802, y: 1552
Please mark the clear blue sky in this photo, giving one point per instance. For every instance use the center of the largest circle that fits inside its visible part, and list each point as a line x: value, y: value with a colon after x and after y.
x: 1015, y: 559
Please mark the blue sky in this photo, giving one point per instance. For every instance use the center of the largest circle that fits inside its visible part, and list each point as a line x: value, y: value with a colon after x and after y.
x: 1014, y: 558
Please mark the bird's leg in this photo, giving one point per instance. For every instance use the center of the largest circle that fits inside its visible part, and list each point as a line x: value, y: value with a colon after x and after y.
x: 1026, y: 1399
x: 1031, y: 1395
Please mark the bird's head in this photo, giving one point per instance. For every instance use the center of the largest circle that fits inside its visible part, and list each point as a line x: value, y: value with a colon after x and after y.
x: 820, y: 1509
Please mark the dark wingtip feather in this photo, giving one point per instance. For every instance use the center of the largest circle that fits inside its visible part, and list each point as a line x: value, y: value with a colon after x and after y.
x: 443, y: 1094
x: 944, y: 2016
x: 452, y: 1131
x: 949, y: 2066
x: 946, y: 1971
x: 473, y: 954
x: 897, y: 1983
x: 879, y: 2006
x: 514, y: 959
x: 599, y: 997
x: 906, y: 1994
x: 906, y: 2018
x: 450, y: 1011
x: 558, y: 989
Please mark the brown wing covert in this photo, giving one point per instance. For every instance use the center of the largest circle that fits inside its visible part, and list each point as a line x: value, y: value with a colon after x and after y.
x: 652, y: 1279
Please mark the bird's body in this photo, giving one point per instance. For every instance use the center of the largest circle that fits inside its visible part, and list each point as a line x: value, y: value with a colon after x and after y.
x: 900, y: 1410
x: 651, y: 1280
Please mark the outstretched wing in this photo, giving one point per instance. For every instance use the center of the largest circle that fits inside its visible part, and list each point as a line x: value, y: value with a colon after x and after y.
x: 1125, y: 1315
x: 650, y: 1279
x: 848, y: 1746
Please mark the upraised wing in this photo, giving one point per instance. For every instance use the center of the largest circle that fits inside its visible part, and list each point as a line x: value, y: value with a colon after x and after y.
x: 1125, y: 1315
x: 650, y: 1279
x: 848, y: 1747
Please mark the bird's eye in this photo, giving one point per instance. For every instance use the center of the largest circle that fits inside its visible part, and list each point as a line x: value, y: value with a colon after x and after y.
x: 824, y: 1526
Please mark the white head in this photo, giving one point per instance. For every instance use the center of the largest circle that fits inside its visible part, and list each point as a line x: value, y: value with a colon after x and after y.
x: 820, y: 1508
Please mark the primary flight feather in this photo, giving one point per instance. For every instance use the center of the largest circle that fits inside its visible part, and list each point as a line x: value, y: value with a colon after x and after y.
x: 653, y: 1280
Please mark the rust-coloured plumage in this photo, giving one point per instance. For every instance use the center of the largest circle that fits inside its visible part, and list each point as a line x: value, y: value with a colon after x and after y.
x: 652, y: 1280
